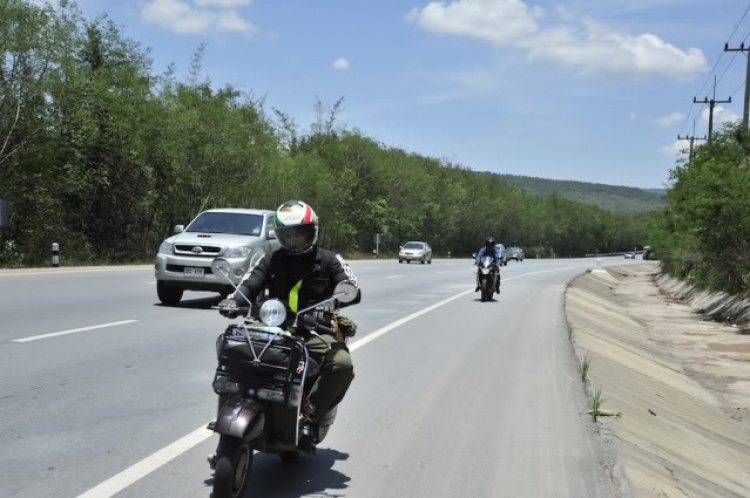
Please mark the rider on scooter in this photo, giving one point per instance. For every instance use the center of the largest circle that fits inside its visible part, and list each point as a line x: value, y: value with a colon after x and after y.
x: 303, y: 274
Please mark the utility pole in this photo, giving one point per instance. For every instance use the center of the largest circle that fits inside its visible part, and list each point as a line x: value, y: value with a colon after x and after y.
x: 711, y: 103
x: 743, y: 49
x: 692, y: 139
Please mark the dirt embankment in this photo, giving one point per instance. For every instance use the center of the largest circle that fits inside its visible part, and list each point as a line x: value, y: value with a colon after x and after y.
x: 680, y: 380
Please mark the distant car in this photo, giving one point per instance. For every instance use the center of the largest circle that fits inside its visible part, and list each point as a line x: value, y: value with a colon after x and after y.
x: 503, y: 254
x: 629, y: 255
x: 242, y: 236
x: 415, y: 251
x: 516, y: 253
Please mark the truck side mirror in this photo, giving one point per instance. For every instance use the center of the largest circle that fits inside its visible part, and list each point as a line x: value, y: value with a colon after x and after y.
x: 179, y: 229
x: 272, y: 234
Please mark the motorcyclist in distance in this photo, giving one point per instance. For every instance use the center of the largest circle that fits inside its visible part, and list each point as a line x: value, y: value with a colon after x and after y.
x: 489, y: 249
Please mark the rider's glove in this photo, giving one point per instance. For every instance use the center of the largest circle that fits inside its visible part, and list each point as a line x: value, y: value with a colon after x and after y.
x: 228, y: 308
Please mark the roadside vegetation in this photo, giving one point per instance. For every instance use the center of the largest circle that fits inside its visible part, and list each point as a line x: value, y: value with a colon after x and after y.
x: 102, y: 155
x: 703, y: 234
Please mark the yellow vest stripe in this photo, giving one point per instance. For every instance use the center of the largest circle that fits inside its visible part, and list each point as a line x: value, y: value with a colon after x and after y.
x: 294, y: 297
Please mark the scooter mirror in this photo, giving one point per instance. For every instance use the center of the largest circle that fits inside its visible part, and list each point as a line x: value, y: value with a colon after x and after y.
x: 346, y: 291
x: 221, y: 266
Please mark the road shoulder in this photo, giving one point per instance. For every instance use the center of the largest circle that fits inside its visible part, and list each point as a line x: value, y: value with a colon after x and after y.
x: 681, y: 383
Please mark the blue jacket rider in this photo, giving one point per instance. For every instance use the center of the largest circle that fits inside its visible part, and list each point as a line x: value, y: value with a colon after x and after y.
x: 489, y: 249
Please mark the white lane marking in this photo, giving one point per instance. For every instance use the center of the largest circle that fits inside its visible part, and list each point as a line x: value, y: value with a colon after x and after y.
x: 441, y: 272
x: 117, y: 483
x: 394, y: 276
x: 66, y: 271
x: 73, y: 331
x: 151, y: 283
x: 382, y: 331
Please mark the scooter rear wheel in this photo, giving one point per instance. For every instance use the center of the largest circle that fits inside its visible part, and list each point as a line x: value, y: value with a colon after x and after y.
x: 234, y: 461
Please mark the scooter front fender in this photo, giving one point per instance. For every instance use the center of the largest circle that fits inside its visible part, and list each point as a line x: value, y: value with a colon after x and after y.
x: 242, y: 419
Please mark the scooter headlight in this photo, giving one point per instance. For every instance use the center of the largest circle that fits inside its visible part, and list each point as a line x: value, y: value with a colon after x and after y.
x: 273, y: 313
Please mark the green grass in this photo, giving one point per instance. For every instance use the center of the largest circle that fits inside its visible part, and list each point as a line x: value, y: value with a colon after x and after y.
x: 585, y: 366
x: 596, y: 404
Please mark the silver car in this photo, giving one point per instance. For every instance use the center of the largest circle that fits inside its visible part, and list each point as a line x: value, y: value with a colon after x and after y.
x: 242, y: 236
x: 415, y: 251
x: 516, y: 253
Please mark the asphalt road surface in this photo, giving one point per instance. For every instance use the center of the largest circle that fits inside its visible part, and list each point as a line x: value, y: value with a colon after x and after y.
x: 104, y: 392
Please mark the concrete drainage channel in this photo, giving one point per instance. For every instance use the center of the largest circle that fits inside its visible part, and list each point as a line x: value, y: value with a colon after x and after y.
x: 680, y: 384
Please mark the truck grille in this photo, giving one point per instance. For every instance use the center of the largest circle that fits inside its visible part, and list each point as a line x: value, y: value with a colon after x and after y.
x: 197, y: 250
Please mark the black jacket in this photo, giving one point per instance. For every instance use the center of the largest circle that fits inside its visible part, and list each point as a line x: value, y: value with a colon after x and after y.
x: 319, y: 270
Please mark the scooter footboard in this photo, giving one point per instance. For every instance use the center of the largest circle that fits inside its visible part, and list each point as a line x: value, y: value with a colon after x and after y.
x: 242, y: 419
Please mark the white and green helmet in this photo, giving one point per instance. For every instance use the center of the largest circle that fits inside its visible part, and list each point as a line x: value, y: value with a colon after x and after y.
x: 296, y: 227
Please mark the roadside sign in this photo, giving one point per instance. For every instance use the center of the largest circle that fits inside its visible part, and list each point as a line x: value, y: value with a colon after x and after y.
x: 4, y: 213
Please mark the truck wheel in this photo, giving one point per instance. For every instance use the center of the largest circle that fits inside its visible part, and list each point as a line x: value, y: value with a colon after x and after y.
x: 169, y: 296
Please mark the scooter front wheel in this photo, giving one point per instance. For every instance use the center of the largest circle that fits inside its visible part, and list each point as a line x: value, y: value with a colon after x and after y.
x: 234, y: 461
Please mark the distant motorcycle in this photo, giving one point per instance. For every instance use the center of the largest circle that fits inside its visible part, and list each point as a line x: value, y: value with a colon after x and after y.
x: 488, y: 275
x: 262, y: 379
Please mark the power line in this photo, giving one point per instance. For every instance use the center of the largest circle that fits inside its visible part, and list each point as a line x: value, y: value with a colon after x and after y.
x: 737, y: 90
x: 708, y: 78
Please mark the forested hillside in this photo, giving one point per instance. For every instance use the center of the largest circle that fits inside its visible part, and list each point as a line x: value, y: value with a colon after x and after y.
x: 100, y: 154
x: 612, y: 197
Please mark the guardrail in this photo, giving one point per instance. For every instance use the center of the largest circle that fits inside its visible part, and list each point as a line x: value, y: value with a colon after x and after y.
x: 605, y: 254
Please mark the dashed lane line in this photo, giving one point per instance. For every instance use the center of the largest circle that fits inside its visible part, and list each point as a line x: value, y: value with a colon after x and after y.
x: 73, y: 331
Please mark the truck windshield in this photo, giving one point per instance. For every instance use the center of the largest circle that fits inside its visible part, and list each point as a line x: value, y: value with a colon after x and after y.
x: 235, y: 223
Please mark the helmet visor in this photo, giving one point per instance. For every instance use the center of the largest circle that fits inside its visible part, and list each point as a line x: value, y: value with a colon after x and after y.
x: 297, y: 239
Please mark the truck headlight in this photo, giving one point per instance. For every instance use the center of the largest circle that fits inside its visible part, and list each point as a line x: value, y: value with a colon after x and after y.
x: 237, y: 252
x: 166, y: 248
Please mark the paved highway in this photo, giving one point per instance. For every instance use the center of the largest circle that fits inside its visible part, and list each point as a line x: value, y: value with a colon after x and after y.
x: 104, y: 392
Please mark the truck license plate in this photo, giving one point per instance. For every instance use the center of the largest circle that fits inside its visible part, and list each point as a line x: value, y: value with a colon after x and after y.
x: 194, y: 272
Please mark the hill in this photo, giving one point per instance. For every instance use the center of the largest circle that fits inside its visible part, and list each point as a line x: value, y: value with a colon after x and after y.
x: 612, y: 197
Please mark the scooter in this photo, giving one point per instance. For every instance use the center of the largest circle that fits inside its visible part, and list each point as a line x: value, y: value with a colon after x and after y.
x: 262, y: 378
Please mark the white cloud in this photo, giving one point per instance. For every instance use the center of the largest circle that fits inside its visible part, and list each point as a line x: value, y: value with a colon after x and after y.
x: 498, y: 21
x: 589, y: 45
x: 722, y: 115
x: 230, y: 20
x: 669, y: 120
x: 633, y: 116
x: 181, y: 17
x: 222, y: 3
x: 678, y: 148
x: 177, y: 16
x: 341, y: 63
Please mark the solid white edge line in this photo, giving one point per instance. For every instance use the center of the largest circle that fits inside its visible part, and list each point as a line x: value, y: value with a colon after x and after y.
x: 394, y: 276
x: 73, y: 331
x: 120, y: 481
x: 117, y: 483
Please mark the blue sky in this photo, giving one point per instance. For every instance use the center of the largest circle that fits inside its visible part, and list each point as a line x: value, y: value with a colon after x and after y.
x: 590, y: 90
